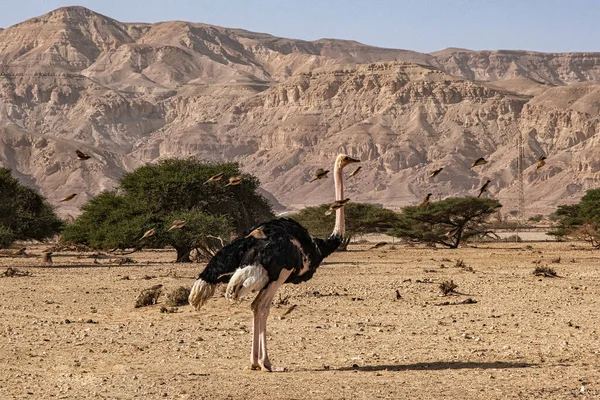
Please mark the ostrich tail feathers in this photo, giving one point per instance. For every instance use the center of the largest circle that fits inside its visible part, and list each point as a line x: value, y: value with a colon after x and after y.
x: 200, y: 293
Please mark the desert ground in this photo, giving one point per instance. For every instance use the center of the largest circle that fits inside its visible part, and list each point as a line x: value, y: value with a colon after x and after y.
x: 71, y: 331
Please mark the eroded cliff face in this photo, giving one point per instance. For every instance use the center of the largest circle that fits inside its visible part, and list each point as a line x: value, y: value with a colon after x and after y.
x: 129, y: 94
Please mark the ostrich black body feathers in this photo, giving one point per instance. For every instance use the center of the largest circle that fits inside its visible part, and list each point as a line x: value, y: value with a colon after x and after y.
x: 287, y: 245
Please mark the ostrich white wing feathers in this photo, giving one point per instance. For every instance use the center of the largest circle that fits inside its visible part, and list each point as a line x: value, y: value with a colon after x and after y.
x: 248, y: 279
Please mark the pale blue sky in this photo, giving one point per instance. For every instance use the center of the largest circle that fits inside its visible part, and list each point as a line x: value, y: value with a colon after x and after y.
x: 421, y: 25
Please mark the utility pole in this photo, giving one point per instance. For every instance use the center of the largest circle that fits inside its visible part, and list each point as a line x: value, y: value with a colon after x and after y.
x: 520, y: 159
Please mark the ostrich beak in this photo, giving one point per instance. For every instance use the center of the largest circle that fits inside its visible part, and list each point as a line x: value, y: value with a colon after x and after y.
x: 351, y: 160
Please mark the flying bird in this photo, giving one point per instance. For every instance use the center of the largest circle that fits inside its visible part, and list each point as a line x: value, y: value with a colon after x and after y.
x: 234, y: 180
x: 378, y: 245
x: 356, y: 171
x: 335, y: 205
x: 425, y: 202
x: 478, y: 162
x: 541, y: 161
x: 484, y: 188
x: 258, y: 233
x: 177, y: 224
x: 319, y: 174
x: 149, y: 233
x: 451, y: 233
x: 248, y: 264
x: 69, y: 197
x: 215, y: 178
x: 436, y: 172
x: 82, y: 156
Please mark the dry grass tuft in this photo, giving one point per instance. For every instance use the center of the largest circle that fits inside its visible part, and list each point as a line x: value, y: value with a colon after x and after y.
x: 282, y: 300
x: 545, y: 271
x: 448, y: 287
x: 178, y: 297
x: 148, y: 297
x: 12, y: 272
x: 462, y: 265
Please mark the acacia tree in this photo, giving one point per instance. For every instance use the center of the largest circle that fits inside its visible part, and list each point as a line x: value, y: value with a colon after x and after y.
x: 580, y: 221
x: 24, y: 213
x: 361, y: 218
x: 153, y: 196
x: 447, y: 222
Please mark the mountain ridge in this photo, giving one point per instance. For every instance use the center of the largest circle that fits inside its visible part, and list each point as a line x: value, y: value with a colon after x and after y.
x: 133, y: 93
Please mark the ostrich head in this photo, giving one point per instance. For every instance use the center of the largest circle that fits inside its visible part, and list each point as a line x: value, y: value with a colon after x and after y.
x: 343, y: 160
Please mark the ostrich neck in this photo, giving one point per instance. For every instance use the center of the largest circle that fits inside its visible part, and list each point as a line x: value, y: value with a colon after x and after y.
x: 340, y: 221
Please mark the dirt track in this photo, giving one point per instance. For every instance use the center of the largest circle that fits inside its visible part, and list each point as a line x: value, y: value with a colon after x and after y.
x: 349, y: 337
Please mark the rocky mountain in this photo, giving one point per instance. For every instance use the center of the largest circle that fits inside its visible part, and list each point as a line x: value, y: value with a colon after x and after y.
x: 133, y: 93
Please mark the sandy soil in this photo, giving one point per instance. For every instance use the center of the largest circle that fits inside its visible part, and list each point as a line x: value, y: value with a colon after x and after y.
x: 71, y: 330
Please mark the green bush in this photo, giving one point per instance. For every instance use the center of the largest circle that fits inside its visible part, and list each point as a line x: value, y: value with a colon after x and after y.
x: 361, y: 218
x: 447, y: 222
x: 580, y: 221
x: 24, y: 213
x: 153, y: 196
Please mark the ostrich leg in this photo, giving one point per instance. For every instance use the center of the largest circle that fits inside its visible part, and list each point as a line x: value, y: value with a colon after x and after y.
x: 256, y: 330
x: 261, y: 307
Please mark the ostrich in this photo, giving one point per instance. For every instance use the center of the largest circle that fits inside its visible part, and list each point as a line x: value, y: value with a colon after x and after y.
x: 276, y: 252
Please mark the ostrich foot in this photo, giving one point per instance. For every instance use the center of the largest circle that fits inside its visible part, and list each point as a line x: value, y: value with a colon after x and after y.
x: 267, y: 367
x: 255, y: 367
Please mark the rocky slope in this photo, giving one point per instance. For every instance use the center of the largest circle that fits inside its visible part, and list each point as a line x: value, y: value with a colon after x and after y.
x: 131, y: 93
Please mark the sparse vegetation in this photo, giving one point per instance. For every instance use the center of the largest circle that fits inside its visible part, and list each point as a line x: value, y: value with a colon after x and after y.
x: 448, y: 222
x: 148, y: 297
x: 462, y: 265
x: 544, y: 270
x: 448, y: 287
x: 536, y: 218
x: 13, y: 272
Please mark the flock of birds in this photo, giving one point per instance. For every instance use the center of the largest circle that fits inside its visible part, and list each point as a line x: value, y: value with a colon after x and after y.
x: 541, y: 161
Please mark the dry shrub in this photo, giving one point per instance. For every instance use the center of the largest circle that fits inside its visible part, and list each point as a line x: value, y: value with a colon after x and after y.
x: 447, y: 287
x: 148, y: 297
x: 555, y: 260
x: 588, y: 233
x: 12, y: 272
x: 282, y: 300
x: 462, y: 265
x: 544, y: 271
x: 123, y: 261
x: 178, y: 297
